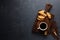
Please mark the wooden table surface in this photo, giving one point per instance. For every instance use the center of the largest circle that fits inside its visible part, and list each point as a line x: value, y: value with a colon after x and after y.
x: 17, y: 17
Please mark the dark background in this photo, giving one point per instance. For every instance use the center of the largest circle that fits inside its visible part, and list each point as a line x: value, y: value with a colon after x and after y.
x: 17, y: 17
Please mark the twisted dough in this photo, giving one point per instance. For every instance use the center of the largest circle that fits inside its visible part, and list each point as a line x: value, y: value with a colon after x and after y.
x: 42, y: 15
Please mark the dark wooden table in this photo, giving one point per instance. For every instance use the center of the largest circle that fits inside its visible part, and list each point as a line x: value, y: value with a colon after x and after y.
x: 17, y: 17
